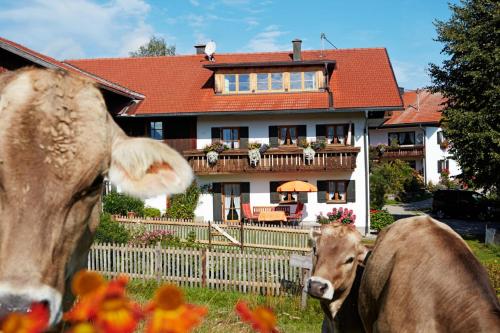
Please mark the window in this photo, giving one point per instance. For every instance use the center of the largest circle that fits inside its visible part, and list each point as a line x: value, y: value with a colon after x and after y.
x: 277, y: 81
x: 231, y: 207
x: 230, y: 137
x: 337, y: 134
x: 336, y: 191
x: 263, y: 81
x: 402, y: 138
x: 442, y: 165
x: 237, y: 82
x: 287, y: 135
x: 296, y: 81
x: 243, y: 82
x: 156, y: 130
x: 309, y: 80
x: 440, y: 137
x: 302, y: 80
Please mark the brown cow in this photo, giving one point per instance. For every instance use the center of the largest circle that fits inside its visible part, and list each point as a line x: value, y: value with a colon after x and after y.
x: 57, y: 142
x: 422, y: 277
x: 338, y: 255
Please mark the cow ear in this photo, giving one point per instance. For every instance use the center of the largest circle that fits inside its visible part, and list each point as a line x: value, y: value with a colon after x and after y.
x: 146, y: 168
x: 362, y: 253
x: 314, y: 234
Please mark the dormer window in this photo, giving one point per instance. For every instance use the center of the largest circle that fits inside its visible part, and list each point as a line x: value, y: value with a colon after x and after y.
x: 303, y: 81
x: 234, y: 83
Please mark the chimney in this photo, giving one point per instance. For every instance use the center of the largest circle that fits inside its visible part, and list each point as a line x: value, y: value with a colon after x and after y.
x: 401, y: 90
x: 200, y: 48
x: 297, y: 53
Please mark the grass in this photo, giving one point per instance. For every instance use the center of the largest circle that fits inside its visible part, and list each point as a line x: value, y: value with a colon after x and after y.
x: 222, y: 318
x: 489, y: 256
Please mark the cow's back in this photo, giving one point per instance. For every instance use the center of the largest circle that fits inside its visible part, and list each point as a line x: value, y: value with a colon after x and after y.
x: 422, y: 277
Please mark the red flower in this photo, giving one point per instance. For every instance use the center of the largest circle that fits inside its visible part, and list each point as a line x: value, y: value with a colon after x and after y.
x: 35, y: 321
x: 262, y: 318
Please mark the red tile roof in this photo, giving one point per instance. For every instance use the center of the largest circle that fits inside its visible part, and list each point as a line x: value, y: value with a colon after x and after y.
x: 426, y: 109
x: 47, y: 61
x: 363, y: 78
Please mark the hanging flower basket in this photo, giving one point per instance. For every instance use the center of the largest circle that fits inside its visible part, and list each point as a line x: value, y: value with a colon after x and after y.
x: 212, y: 157
x: 444, y: 144
x: 309, y: 154
x: 254, y: 156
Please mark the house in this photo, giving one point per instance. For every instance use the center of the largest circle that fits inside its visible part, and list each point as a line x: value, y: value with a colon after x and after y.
x: 281, y: 99
x: 413, y: 134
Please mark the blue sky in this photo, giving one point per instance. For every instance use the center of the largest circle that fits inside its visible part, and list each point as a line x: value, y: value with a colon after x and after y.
x: 95, y: 28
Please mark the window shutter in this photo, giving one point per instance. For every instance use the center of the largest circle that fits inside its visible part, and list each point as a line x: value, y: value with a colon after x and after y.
x: 351, y: 191
x: 353, y: 136
x: 440, y: 168
x: 302, y: 197
x: 322, y: 187
x: 273, y: 136
x: 243, y: 137
x: 320, y: 133
x: 275, y: 196
x: 245, y: 192
x: 217, y: 201
x: 301, y: 133
x: 215, y: 134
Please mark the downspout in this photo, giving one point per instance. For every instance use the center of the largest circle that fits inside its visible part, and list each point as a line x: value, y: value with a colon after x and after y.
x: 367, y: 175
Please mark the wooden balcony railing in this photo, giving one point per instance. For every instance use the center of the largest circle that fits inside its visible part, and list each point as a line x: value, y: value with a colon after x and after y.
x: 404, y: 152
x: 274, y: 160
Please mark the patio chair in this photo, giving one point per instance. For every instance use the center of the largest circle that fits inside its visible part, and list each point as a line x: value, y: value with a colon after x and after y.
x: 247, y: 213
x: 297, y: 216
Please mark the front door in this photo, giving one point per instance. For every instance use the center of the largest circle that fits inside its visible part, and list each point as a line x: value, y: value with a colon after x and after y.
x: 231, y: 202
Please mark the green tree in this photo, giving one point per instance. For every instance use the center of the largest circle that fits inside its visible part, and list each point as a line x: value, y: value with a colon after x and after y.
x: 470, y: 79
x: 388, y: 177
x: 155, y: 47
x: 121, y: 204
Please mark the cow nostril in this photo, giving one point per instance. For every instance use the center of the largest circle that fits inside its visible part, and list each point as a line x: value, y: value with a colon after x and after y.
x: 323, y: 287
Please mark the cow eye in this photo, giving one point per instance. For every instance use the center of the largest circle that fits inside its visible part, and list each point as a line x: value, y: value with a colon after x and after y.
x: 348, y: 261
x: 96, y: 183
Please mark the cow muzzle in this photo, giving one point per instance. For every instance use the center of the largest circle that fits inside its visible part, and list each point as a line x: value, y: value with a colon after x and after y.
x: 320, y: 288
x: 16, y: 299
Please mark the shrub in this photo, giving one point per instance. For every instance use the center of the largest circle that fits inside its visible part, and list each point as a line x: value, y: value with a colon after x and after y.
x: 182, y: 206
x: 110, y: 231
x: 153, y: 237
x: 379, y: 219
x: 119, y: 204
x: 152, y: 212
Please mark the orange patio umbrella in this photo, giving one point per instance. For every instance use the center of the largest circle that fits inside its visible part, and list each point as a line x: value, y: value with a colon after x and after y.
x: 297, y: 186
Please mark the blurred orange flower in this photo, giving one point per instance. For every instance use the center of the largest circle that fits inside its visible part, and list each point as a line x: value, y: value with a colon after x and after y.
x: 35, y: 321
x: 104, y: 304
x: 262, y: 318
x: 170, y: 314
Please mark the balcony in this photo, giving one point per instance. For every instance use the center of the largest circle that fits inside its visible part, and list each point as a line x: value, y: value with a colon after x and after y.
x: 274, y: 160
x: 416, y: 151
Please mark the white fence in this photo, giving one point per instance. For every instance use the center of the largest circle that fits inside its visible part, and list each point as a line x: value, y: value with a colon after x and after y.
x: 275, y: 238
x: 224, y: 269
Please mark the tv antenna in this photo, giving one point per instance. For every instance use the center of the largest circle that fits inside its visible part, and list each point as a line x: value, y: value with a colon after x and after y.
x: 323, y: 38
x: 210, y: 50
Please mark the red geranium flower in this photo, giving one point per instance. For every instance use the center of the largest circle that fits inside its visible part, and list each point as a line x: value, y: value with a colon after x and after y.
x: 262, y: 318
x: 35, y: 321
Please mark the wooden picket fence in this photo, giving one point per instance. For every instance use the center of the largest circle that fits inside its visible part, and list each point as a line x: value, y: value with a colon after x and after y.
x: 223, y: 269
x: 250, y: 236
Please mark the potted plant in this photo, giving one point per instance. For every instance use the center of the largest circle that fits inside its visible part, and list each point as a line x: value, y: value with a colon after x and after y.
x: 444, y: 144
x: 254, y: 153
x: 213, y: 150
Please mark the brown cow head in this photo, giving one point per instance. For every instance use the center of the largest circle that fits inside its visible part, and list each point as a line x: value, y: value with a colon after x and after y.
x: 57, y: 142
x: 338, y: 251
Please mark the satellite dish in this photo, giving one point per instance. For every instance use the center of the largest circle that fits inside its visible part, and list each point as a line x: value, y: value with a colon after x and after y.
x: 210, y: 50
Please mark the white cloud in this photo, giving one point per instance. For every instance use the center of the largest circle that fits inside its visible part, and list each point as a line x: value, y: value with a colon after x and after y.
x: 268, y: 40
x: 410, y: 75
x: 64, y: 29
x: 195, y: 3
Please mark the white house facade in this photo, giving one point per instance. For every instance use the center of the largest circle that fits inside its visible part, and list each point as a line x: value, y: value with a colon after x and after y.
x: 414, y: 135
x: 282, y: 100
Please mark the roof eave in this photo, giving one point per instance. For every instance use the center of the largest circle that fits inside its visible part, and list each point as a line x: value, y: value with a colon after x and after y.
x: 260, y: 64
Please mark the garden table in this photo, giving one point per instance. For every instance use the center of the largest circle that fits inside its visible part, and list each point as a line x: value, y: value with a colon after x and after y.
x: 272, y: 216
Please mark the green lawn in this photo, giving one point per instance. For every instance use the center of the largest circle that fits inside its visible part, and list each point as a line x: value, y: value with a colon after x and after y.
x: 489, y: 256
x: 222, y: 318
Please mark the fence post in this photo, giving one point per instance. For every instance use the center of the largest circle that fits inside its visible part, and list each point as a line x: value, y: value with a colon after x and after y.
x: 204, y: 268
x: 209, y: 235
x: 158, y: 262
x: 242, y: 232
